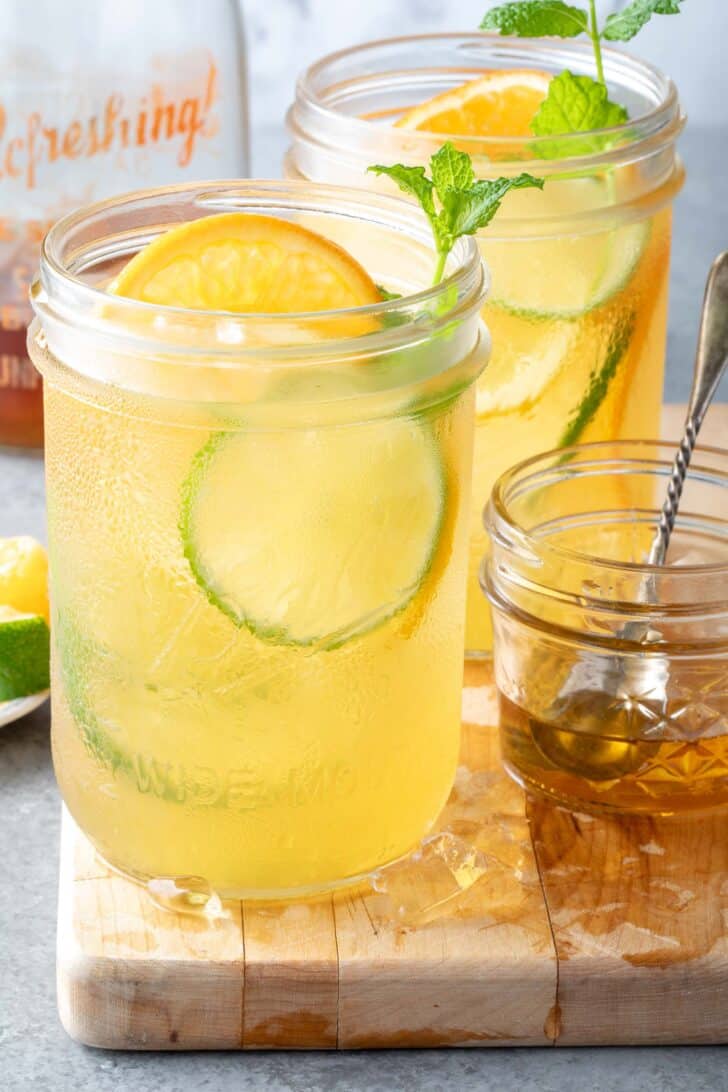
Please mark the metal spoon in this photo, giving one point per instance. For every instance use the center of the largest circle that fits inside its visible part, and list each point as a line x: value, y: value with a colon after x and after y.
x: 711, y: 358
x: 648, y: 677
x: 625, y: 681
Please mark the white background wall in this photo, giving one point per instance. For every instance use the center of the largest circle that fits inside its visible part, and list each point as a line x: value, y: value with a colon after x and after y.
x: 286, y: 35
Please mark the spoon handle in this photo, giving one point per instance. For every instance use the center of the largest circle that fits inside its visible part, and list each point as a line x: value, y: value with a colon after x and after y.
x: 710, y: 362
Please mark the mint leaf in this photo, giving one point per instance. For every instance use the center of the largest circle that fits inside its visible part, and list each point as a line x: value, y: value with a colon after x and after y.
x: 390, y: 319
x: 623, y: 25
x: 466, y: 205
x: 536, y: 19
x: 467, y: 212
x: 412, y: 180
x: 451, y: 170
x: 576, y: 104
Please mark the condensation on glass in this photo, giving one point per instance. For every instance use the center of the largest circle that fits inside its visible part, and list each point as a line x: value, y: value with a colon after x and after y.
x: 263, y: 750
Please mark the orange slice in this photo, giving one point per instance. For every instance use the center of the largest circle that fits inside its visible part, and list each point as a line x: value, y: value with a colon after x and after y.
x: 24, y: 576
x: 500, y: 103
x: 245, y: 263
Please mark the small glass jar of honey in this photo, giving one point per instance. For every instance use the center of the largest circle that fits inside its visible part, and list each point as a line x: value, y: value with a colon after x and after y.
x: 612, y: 675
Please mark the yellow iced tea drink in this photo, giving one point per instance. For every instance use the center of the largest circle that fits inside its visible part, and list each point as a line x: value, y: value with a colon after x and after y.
x: 579, y: 326
x: 578, y: 319
x: 578, y: 304
x: 258, y: 489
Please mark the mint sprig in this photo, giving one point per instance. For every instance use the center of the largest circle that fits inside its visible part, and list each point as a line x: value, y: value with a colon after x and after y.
x: 454, y: 201
x: 573, y: 103
x: 622, y: 26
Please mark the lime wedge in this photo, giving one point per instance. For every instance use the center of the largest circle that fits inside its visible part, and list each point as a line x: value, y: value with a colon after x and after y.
x: 567, y: 275
x: 313, y: 537
x: 24, y: 654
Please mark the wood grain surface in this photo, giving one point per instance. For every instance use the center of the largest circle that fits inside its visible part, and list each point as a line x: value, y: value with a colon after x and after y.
x: 517, y: 923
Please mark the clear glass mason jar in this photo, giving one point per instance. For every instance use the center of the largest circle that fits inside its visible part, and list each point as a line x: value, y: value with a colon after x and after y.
x: 600, y: 716
x: 97, y: 99
x: 580, y: 271
x: 258, y: 543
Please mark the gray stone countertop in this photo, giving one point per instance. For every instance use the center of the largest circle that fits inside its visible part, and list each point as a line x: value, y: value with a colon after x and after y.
x: 35, y: 1053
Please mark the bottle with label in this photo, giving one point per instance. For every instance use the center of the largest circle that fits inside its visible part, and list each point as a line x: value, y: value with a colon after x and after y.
x: 97, y: 99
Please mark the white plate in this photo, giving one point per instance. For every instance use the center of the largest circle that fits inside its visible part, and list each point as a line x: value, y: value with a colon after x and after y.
x: 18, y: 707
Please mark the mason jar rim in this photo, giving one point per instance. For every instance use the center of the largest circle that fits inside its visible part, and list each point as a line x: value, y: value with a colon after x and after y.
x: 60, y: 294
x: 572, y: 594
x: 542, y: 469
x: 648, y: 132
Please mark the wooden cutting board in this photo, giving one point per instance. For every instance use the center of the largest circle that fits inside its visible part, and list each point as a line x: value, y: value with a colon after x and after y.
x: 519, y: 924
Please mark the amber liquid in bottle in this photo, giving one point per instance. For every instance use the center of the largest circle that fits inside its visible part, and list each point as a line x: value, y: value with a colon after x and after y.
x: 21, y: 389
x: 21, y: 394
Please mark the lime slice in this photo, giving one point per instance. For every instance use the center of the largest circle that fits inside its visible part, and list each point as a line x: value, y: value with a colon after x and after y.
x: 83, y: 665
x: 312, y: 537
x: 565, y: 275
x: 527, y: 359
x: 24, y: 654
x: 600, y: 382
